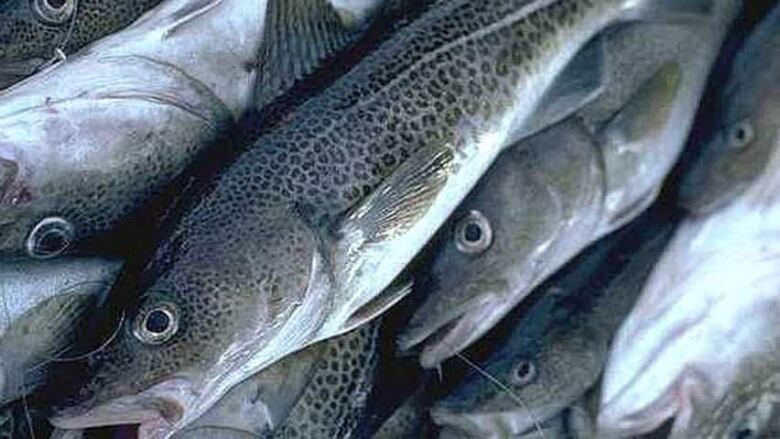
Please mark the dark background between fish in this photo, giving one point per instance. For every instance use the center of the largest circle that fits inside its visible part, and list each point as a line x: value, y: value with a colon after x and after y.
x: 399, y: 377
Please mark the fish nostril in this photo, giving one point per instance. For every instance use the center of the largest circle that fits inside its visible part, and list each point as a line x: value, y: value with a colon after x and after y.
x: 8, y: 172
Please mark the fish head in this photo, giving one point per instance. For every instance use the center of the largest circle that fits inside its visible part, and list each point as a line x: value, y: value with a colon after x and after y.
x: 207, y: 307
x: 527, y: 381
x: 744, y: 133
x: 528, y: 215
x: 749, y: 405
x: 717, y: 280
x: 30, y: 31
x: 43, y: 305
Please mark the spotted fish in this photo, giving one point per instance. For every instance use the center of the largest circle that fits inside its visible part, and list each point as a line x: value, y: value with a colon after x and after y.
x: 34, y: 33
x: 321, y: 391
x: 85, y: 146
x: 553, y: 194
x: 301, y: 237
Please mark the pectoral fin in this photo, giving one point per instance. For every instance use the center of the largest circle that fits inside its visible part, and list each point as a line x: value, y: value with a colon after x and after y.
x: 648, y: 110
x: 581, y: 82
x: 378, y: 305
x: 298, y: 36
x: 402, y: 198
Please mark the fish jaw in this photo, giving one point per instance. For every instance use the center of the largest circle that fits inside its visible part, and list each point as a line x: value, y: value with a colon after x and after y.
x: 668, y: 353
x: 162, y: 404
x: 489, y: 424
x: 457, y: 330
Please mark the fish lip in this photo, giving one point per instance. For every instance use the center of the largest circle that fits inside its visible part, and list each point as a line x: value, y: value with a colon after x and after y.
x: 166, y: 402
x: 495, y: 424
x: 469, y: 323
x: 418, y: 334
x: 516, y: 420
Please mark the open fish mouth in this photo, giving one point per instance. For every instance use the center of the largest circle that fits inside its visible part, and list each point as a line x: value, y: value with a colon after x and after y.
x: 455, y: 331
x: 511, y: 423
x: 163, y: 403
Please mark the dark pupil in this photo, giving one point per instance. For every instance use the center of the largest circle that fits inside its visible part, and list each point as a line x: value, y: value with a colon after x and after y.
x: 473, y: 232
x: 51, y: 242
x: 744, y: 433
x: 157, y: 322
x: 740, y: 134
x: 56, y: 4
x: 523, y: 370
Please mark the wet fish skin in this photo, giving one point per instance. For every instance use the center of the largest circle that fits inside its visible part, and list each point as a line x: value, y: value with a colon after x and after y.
x: 749, y: 406
x: 559, y: 346
x: 739, y: 150
x: 320, y: 391
x: 41, y: 305
x: 717, y: 280
x: 258, y: 241
x: 32, y: 31
x: 575, y: 186
x: 84, y: 142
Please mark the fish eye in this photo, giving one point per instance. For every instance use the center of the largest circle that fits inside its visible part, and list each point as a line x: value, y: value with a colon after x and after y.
x: 524, y: 373
x: 49, y: 238
x: 473, y: 234
x: 54, y: 12
x: 157, y: 325
x: 741, y: 134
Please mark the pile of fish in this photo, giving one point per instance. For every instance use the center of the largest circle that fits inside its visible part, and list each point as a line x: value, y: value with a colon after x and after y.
x: 389, y: 219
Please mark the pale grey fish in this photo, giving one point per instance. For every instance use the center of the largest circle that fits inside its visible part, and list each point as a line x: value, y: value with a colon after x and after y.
x: 750, y: 408
x: 321, y: 391
x: 36, y: 32
x: 710, y: 303
x: 555, y: 193
x: 558, y: 348
x: 41, y: 307
x: 87, y: 143
x: 301, y: 237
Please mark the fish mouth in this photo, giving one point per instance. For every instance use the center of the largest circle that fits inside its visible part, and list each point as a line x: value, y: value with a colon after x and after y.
x: 455, y: 331
x: 164, y: 403
x: 512, y: 423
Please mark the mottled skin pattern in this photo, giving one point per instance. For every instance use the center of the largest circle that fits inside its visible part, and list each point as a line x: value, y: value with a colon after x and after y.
x: 242, y: 253
x: 23, y: 36
x: 333, y: 402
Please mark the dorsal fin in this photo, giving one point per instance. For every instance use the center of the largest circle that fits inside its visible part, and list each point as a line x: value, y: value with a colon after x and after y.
x: 297, y: 37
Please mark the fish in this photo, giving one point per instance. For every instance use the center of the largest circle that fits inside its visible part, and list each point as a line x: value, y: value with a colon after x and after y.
x: 749, y: 407
x: 717, y: 279
x: 557, y: 348
x: 553, y: 194
x: 90, y: 147
x: 36, y: 33
x: 302, y: 236
x: 41, y: 307
x: 321, y: 391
